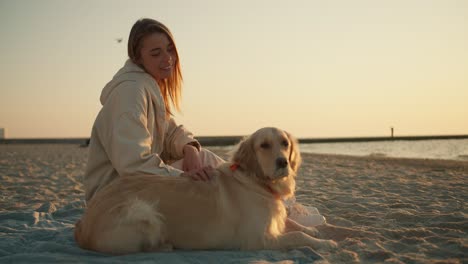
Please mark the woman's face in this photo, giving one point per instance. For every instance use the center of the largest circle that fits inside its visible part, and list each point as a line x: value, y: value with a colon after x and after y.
x: 158, y: 56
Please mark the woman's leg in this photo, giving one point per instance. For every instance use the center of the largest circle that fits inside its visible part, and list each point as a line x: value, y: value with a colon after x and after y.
x: 207, y: 157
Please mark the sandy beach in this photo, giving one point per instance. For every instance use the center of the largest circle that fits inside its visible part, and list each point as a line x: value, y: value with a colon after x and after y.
x: 381, y: 210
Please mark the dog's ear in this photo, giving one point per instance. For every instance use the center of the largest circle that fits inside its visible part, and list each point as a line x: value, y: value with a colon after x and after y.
x: 244, y: 155
x: 295, y: 158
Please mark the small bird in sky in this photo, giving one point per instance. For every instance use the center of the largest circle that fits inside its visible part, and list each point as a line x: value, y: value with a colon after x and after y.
x: 119, y: 40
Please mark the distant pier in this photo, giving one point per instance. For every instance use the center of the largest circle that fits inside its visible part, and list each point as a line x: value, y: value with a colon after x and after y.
x: 371, y: 139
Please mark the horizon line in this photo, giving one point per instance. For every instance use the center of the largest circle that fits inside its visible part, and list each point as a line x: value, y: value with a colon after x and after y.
x: 232, y: 140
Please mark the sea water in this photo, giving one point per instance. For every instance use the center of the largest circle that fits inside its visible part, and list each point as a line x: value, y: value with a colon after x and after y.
x: 450, y: 149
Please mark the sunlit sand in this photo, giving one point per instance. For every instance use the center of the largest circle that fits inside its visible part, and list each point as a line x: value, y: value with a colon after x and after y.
x: 378, y: 209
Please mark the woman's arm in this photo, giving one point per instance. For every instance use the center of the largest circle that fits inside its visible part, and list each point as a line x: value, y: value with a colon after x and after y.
x: 179, y: 138
x: 180, y: 143
x: 192, y: 160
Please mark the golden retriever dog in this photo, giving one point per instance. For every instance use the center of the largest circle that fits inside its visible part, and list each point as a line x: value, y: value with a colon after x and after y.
x: 241, y: 207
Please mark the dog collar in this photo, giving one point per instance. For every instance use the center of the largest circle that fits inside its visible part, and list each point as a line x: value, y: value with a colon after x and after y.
x: 275, y: 194
x: 236, y: 166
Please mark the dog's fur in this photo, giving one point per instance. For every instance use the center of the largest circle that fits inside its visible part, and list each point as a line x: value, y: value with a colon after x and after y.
x: 240, y: 208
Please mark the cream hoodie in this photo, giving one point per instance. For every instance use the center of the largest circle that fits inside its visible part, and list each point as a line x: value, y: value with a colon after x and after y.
x: 131, y: 134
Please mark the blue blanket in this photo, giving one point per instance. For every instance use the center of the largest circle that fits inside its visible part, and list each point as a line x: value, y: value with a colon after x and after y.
x: 45, y: 235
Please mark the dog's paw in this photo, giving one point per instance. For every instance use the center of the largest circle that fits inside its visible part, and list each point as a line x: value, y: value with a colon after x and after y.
x: 322, y: 244
x: 311, y: 231
x: 328, y: 244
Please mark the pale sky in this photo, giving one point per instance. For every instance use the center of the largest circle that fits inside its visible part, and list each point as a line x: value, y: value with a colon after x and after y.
x: 314, y: 68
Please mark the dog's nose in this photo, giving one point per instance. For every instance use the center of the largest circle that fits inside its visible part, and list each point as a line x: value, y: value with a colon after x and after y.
x: 281, y: 162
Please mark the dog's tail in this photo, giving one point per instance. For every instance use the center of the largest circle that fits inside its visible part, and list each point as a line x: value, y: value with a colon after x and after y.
x: 145, y: 215
x: 135, y: 226
x: 143, y: 219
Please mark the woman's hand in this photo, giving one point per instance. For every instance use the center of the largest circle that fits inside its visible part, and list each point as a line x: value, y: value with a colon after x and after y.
x: 202, y: 174
x: 192, y: 159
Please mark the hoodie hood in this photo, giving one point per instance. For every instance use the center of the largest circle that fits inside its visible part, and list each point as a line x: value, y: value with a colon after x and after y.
x: 129, y: 72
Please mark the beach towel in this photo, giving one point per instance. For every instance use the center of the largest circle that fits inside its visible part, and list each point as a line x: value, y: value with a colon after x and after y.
x: 45, y: 235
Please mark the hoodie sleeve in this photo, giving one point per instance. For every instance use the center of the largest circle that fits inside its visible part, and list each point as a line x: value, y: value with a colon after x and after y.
x: 177, y: 136
x: 128, y: 143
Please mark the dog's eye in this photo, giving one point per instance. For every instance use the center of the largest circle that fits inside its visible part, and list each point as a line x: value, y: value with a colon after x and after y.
x: 285, y: 143
x: 265, y: 145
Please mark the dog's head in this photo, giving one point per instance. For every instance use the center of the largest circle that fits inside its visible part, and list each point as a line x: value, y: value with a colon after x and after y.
x: 273, y: 156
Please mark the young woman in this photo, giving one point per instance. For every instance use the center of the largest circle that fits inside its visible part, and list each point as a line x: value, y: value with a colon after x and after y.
x: 134, y: 133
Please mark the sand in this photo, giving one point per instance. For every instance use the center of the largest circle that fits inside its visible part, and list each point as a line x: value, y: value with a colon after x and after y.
x: 401, y: 210
x: 379, y: 210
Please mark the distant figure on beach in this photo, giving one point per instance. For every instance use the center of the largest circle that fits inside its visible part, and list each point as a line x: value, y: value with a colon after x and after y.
x: 135, y: 132
x: 391, y: 131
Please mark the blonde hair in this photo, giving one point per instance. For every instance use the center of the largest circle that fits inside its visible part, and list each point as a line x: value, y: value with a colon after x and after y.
x: 171, y: 88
